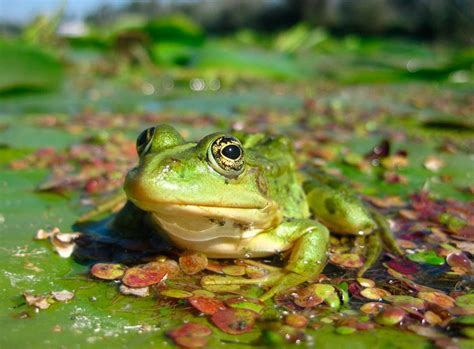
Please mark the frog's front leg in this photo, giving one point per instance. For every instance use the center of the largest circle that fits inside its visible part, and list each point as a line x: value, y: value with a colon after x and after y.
x: 309, y: 243
x: 308, y: 255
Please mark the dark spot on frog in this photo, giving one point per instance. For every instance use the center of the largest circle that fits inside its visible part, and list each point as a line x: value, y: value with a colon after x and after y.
x: 221, y: 223
x: 241, y: 226
x: 331, y: 206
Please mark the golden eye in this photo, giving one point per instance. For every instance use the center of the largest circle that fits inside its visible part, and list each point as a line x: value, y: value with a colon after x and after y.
x: 226, y: 156
x: 144, y: 140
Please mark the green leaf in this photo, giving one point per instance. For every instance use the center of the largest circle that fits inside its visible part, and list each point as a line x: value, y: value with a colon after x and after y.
x: 24, y: 67
x: 427, y: 257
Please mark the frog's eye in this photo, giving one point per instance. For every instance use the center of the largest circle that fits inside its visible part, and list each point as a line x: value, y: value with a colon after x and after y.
x: 226, y: 156
x: 144, y: 140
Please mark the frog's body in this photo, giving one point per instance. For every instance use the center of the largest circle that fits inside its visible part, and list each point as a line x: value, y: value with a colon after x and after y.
x: 239, y: 196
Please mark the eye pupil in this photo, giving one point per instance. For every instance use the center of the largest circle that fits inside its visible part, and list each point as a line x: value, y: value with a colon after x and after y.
x: 231, y: 151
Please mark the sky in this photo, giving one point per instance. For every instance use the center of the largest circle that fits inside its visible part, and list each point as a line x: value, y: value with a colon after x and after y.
x: 20, y: 11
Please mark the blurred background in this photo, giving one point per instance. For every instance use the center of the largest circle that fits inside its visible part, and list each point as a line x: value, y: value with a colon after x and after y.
x: 153, y: 47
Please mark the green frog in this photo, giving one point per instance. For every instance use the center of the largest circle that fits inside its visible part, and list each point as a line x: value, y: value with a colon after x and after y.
x: 237, y: 195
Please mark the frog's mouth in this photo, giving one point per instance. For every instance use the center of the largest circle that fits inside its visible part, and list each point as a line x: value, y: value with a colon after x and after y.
x: 202, y: 223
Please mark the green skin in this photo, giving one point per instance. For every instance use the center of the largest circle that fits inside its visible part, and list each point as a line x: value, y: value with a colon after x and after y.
x: 263, y: 210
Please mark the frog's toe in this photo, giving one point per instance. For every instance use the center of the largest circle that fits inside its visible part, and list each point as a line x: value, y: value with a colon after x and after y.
x: 237, y: 280
x: 283, y: 283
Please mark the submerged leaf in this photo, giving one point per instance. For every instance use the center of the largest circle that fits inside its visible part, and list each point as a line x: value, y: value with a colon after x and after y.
x: 190, y: 335
x: 234, y: 321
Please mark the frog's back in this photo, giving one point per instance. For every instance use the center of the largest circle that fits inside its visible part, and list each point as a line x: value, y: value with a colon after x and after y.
x: 273, y: 157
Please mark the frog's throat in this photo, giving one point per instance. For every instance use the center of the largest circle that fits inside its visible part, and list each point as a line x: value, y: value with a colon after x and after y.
x: 203, y: 223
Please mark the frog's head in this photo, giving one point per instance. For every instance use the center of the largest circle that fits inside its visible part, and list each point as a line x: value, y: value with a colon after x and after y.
x: 210, y: 178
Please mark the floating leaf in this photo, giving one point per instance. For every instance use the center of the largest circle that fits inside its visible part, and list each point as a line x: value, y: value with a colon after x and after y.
x: 333, y: 300
x: 221, y: 288
x: 390, y: 316
x: 169, y: 266
x: 460, y: 261
x: 406, y: 301
x: 427, y: 257
x: 141, y: 277
x: 424, y: 331
x: 313, y: 295
x: 245, y: 303
x: 203, y: 293
x: 174, y: 293
x: 366, y: 282
x: 386, y: 202
x: 403, y: 266
x: 296, y: 320
x: 466, y: 300
x: 193, y: 262
x: 206, y: 305
x: 345, y: 330
x: 234, y: 321
x: 234, y: 270
x: 465, y: 320
x: 347, y: 260
x: 108, y: 271
x: 375, y: 293
x: 432, y: 318
x: 254, y: 272
x: 214, y: 267
x: 191, y: 335
x: 372, y: 307
x: 440, y: 299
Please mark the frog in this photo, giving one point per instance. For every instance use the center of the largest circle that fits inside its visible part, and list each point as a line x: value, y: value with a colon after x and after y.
x: 237, y: 195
